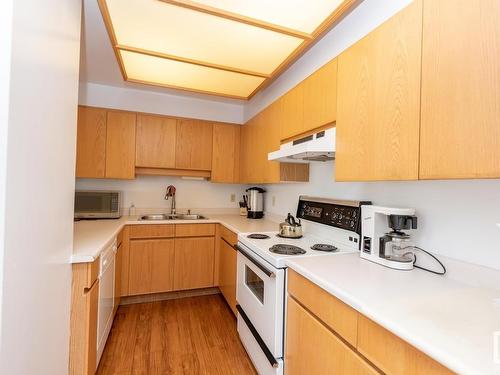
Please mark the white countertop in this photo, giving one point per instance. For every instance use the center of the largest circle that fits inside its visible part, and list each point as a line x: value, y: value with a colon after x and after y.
x: 451, y: 321
x: 91, y: 237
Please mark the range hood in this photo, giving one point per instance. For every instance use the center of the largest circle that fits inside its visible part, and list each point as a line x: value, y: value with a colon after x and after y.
x: 315, y: 147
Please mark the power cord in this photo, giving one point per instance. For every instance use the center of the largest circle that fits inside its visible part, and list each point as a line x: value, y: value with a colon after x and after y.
x: 432, y: 256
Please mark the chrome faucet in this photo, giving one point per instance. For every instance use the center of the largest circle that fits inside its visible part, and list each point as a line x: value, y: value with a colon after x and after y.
x: 170, y: 193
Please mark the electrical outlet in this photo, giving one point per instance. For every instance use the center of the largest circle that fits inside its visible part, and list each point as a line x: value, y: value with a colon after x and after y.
x: 274, y: 200
x: 233, y: 197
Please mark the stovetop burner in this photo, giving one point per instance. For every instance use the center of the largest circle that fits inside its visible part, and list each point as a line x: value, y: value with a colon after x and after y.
x: 258, y: 236
x: 324, y: 247
x: 286, y: 249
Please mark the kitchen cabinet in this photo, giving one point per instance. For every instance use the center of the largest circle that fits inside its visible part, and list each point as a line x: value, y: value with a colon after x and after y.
x: 259, y: 136
x: 378, y: 102
x: 226, y: 153
x: 83, y: 322
x: 125, y: 261
x: 311, y: 104
x: 194, y: 263
x: 120, y: 145
x: 320, y: 97
x: 391, y: 354
x: 151, y: 266
x: 292, y: 112
x: 227, y: 266
x: 460, y: 132
x: 324, y: 335
x: 155, y: 141
x: 91, y: 143
x: 311, y: 348
x: 193, y: 149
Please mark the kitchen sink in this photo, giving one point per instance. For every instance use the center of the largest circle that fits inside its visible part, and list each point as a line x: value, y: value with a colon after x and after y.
x: 154, y: 217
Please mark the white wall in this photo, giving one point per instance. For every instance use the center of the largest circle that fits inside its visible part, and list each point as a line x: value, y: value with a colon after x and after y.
x: 39, y: 183
x: 147, y: 192
x: 139, y: 100
x: 456, y: 218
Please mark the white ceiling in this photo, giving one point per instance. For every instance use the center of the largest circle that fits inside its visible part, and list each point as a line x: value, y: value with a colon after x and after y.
x: 98, y: 63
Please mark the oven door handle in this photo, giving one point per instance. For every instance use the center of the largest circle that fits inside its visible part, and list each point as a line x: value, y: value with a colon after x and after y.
x: 251, y: 259
x: 262, y: 344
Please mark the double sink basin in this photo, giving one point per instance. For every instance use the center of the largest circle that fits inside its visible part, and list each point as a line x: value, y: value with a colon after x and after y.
x: 157, y: 217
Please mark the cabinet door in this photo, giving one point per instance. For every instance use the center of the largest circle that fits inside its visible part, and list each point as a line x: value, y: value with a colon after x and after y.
x: 91, y: 142
x: 379, y: 102
x: 271, y: 131
x: 226, y: 153
x: 293, y: 112
x: 125, y: 259
x: 194, y: 263
x: 311, y: 348
x: 151, y: 266
x: 155, y: 142
x: 320, y: 97
x: 244, y: 153
x: 120, y: 145
x: 460, y: 131
x: 227, y: 273
x: 194, y: 145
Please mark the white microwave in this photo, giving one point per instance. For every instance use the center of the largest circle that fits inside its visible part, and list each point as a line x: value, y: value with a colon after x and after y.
x: 97, y: 204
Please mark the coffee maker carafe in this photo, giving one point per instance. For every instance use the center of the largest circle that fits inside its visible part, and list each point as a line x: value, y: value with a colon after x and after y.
x: 255, y: 202
x: 383, y: 238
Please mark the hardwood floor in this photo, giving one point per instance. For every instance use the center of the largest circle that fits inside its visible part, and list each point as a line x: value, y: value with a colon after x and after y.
x: 195, y: 335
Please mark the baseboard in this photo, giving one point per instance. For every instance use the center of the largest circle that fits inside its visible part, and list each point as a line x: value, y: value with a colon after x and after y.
x: 145, y: 298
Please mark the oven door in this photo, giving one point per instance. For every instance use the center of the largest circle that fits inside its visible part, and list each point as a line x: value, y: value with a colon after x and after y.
x: 260, y: 293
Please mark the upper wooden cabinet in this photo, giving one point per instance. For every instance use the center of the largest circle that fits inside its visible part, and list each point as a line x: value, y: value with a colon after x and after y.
x: 311, y: 104
x: 105, y: 143
x: 226, y: 153
x: 120, y: 145
x: 320, y: 97
x: 379, y: 102
x: 91, y: 143
x: 155, y: 141
x: 460, y: 130
x: 194, y: 145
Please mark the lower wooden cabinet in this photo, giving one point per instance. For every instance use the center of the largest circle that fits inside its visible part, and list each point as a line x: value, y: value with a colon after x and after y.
x: 227, y: 272
x: 150, y: 269
x: 311, y: 348
x: 84, y: 302
x: 325, y: 336
x: 194, y: 263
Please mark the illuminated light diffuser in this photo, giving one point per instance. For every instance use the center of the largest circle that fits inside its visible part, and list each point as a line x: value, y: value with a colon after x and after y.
x: 164, y: 72
x: 223, y: 47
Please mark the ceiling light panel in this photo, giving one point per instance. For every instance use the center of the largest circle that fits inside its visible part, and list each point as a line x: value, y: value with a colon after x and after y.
x: 300, y: 15
x: 169, y: 73
x: 167, y: 29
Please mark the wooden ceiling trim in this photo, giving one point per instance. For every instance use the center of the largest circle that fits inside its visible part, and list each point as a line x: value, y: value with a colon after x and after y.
x: 193, y: 5
x: 191, y: 61
x: 133, y: 80
x: 321, y: 30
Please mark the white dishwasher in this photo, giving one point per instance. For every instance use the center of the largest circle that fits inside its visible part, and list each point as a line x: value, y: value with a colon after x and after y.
x: 106, y: 297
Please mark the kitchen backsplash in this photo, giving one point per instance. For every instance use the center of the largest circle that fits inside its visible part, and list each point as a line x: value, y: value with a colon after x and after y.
x: 148, y: 192
x: 457, y: 218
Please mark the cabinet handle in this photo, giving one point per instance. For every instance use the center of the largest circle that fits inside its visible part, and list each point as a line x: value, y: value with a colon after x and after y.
x: 251, y: 259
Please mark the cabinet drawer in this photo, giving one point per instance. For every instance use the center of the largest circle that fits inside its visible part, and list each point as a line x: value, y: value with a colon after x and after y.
x: 391, y: 354
x: 336, y: 314
x: 311, y: 348
x: 194, y: 230
x: 152, y: 231
x: 228, y: 235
